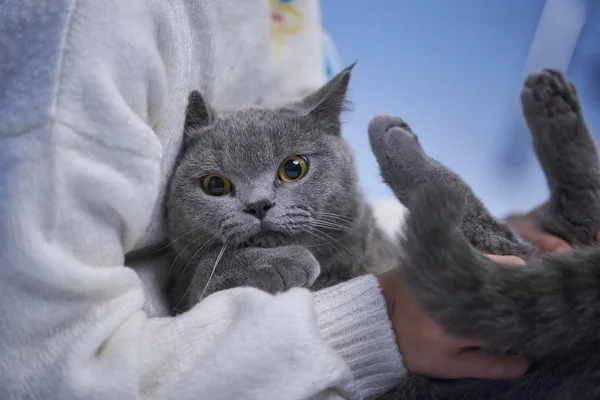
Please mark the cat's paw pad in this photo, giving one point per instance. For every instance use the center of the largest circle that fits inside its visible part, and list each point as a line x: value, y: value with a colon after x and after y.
x: 393, y: 141
x: 382, y: 123
x: 549, y: 95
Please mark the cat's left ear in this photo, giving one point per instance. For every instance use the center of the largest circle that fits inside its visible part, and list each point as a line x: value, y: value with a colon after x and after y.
x: 197, y: 115
x: 327, y: 103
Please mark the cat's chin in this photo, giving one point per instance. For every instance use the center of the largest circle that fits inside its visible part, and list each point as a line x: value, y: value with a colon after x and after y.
x: 269, y: 239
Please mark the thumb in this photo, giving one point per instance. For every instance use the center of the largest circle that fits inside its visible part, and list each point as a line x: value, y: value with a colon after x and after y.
x: 530, y: 231
x: 479, y: 364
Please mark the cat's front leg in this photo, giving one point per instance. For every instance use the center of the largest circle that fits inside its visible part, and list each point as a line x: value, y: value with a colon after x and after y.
x: 270, y: 269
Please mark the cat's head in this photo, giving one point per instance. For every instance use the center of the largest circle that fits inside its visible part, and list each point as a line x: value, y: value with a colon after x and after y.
x: 264, y: 176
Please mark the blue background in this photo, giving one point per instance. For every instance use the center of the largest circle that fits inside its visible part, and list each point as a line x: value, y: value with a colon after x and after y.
x: 453, y: 71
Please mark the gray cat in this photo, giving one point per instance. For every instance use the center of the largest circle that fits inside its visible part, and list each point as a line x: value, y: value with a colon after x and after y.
x: 548, y: 310
x: 268, y: 197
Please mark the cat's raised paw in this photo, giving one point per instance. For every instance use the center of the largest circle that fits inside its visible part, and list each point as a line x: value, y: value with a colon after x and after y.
x: 549, y: 95
x: 393, y: 142
x: 384, y: 122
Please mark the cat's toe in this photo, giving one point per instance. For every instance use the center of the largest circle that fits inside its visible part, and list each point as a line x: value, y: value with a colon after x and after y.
x: 298, y: 267
x: 382, y: 123
x: 548, y: 95
x: 392, y: 140
x: 536, y: 91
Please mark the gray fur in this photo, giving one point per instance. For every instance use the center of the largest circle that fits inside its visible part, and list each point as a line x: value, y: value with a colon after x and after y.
x: 319, y: 230
x: 568, y: 156
x: 548, y: 310
x: 405, y: 168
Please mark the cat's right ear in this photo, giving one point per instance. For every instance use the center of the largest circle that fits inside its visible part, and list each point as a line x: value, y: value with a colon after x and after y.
x: 326, y: 104
x: 197, y: 115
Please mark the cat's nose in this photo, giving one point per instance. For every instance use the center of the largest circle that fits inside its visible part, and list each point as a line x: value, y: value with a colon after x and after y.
x: 259, y: 209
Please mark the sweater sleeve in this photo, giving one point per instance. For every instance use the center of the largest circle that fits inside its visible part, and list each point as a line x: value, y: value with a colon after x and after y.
x: 353, y: 318
x: 85, y: 90
x: 71, y: 313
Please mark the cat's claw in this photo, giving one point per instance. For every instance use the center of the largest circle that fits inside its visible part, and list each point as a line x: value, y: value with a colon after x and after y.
x: 549, y: 95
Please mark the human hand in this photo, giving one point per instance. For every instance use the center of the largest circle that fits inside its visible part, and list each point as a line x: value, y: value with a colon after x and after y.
x: 427, y: 349
x: 528, y: 228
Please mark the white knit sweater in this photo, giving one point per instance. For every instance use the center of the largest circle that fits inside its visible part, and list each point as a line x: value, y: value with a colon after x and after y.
x: 92, y: 95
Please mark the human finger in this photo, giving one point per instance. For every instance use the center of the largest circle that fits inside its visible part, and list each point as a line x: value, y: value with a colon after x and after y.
x: 506, y: 259
x: 551, y: 244
x: 546, y: 242
x: 480, y: 364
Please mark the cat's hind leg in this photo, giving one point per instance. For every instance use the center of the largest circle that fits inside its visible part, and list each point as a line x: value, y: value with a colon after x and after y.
x: 568, y: 156
x: 405, y: 167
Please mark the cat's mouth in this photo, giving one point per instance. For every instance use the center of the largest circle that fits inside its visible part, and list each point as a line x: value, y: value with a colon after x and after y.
x: 269, y: 240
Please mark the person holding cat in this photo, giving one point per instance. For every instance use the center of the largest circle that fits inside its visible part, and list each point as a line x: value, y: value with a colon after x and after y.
x: 91, y: 115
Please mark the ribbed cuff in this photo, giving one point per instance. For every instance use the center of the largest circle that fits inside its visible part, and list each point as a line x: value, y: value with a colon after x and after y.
x: 353, y: 318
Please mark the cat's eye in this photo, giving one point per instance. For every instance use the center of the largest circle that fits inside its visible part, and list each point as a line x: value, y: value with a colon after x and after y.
x: 293, y: 168
x: 216, y: 185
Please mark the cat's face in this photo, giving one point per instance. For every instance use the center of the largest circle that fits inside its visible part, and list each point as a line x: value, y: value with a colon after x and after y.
x: 265, y: 177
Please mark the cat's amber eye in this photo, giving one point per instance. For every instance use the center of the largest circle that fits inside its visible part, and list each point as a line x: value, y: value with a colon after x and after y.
x: 216, y: 185
x: 293, y: 168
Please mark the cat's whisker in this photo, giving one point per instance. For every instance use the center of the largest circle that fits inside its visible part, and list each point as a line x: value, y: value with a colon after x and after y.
x: 176, y: 239
x: 323, y: 241
x: 337, y: 217
x: 342, y: 224
x: 332, y: 226
x: 196, y: 272
x: 347, y: 249
x: 335, y: 227
x: 206, y: 245
x: 182, y: 250
x: 213, y: 269
x: 317, y: 243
